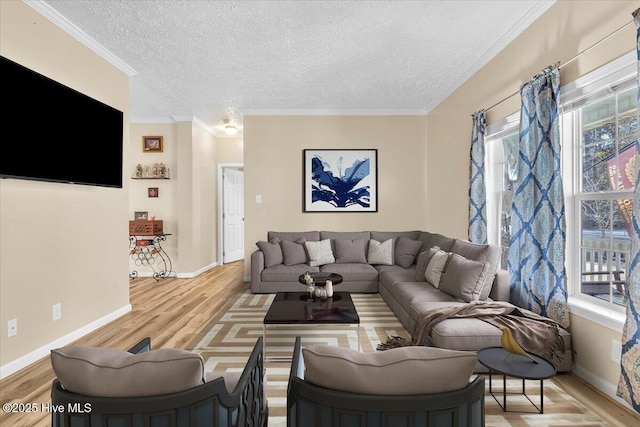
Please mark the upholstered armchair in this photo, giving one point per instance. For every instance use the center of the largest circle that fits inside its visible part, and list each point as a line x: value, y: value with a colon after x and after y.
x: 101, y: 387
x: 408, y: 386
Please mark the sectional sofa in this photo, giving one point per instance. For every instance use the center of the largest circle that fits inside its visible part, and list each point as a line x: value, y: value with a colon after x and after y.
x: 413, y: 271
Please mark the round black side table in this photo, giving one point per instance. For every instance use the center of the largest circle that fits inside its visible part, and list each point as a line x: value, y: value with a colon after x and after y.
x: 320, y: 278
x: 517, y: 366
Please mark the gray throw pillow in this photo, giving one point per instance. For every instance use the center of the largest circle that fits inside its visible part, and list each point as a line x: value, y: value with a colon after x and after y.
x: 320, y: 253
x: 398, y: 371
x: 272, y: 252
x: 480, y: 252
x: 405, y: 251
x: 294, y: 252
x: 464, y: 278
x: 380, y: 253
x: 350, y: 251
x: 436, y: 266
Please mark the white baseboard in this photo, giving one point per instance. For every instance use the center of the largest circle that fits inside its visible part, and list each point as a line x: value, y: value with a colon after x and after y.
x: 197, y: 272
x: 182, y: 275
x: 45, y: 350
x: 601, y: 384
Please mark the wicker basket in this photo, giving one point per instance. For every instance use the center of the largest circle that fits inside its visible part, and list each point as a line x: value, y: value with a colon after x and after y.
x: 145, y: 228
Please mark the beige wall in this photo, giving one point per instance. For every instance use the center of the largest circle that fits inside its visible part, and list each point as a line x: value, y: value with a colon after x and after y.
x: 568, y: 28
x: 230, y: 150
x: 273, y: 168
x: 59, y: 243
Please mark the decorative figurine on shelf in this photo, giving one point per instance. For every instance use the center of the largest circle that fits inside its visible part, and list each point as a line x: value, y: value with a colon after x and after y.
x: 511, y: 345
x: 138, y: 171
x: 162, y: 170
x: 145, y: 172
x: 154, y: 170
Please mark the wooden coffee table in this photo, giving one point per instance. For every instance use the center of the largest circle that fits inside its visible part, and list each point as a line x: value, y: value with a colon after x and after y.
x: 296, y: 308
x: 518, y: 367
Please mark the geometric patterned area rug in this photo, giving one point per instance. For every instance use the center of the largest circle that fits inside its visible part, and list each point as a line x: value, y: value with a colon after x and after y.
x: 225, y: 345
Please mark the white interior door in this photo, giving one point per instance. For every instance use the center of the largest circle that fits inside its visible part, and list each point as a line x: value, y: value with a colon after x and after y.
x: 233, y: 214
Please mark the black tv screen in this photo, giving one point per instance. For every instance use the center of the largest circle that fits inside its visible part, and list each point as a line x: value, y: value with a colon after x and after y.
x: 55, y: 133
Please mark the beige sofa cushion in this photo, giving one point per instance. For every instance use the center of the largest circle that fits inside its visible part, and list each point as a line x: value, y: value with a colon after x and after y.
x: 465, y: 279
x: 108, y: 372
x: 399, y: 371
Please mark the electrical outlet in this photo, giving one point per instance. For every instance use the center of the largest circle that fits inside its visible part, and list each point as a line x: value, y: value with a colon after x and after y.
x: 57, y: 311
x: 12, y: 327
x: 616, y: 351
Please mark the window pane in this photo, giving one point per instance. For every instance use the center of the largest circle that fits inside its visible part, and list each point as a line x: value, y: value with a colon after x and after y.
x: 600, y: 115
x: 626, y: 177
x: 595, y: 167
x: 596, y: 219
x: 605, y: 248
x: 627, y: 119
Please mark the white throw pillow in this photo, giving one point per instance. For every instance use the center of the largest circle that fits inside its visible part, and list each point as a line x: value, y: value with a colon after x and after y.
x: 320, y: 253
x: 436, y: 266
x: 380, y: 253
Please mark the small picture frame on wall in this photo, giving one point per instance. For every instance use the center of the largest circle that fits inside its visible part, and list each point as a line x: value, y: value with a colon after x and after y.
x: 141, y: 216
x: 153, y: 192
x: 152, y: 144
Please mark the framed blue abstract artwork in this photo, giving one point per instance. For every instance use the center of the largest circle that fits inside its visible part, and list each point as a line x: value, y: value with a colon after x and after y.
x: 337, y: 180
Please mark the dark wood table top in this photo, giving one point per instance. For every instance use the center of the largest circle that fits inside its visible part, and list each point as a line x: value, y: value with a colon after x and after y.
x: 299, y: 308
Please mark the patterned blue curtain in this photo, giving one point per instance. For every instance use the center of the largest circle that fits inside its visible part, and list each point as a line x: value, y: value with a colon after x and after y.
x: 629, y: 384
x: 477, y: 192
x: 538, y: 231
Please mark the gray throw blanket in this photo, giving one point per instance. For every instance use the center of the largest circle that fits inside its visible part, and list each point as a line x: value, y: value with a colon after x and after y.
x: 535, y: 333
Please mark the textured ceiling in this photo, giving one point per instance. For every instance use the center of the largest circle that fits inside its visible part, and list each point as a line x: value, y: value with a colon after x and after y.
x: 201, y: 58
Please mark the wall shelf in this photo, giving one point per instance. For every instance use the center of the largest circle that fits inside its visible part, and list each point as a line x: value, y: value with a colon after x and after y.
x: 150, y: 177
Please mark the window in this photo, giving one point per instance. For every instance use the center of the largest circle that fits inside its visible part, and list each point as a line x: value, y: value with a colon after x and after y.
x: 602, y: 133
x: 500, y: 161
x: 599, y: 123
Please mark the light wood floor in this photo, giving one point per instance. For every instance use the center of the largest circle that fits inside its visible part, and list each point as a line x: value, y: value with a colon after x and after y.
x: 173, y: 311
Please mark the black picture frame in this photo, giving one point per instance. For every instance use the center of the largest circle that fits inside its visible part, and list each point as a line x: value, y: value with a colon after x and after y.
x: 340, y: 180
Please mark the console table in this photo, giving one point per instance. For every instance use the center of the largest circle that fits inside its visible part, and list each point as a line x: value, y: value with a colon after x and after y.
x: 147, y: 251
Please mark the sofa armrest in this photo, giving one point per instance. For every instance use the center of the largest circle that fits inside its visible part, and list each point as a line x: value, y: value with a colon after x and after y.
x: 501, y: 289
x: 257, y: 265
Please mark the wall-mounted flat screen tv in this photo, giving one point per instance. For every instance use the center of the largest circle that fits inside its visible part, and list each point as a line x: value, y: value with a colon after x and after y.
x: 54, y: 133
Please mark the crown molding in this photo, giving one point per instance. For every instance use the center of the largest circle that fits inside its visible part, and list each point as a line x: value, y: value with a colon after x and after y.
x: 75, y: 32
x: 283, y: 112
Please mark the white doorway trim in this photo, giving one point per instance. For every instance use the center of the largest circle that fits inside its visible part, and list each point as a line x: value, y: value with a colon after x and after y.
x: 221, y: 168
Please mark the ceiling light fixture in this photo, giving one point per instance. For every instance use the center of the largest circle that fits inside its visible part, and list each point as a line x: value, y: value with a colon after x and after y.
x: 230, y: 128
